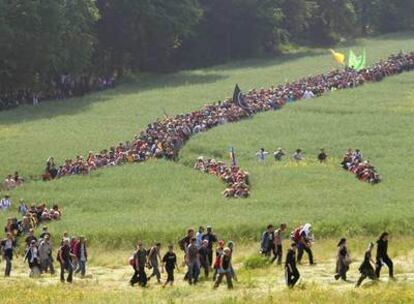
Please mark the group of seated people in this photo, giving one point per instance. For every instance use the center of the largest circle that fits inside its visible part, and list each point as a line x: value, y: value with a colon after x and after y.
x: 31, y: 218
x: 64, y: 86
x: 165, y: 137
x: 12, y: 181
x: 237, y: 180
x: 363, y: 170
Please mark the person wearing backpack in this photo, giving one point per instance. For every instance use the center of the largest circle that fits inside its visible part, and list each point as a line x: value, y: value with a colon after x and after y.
x: 266, y: 241
x: 153, y: 258
x: 303, y: 238
x: 291, y: 272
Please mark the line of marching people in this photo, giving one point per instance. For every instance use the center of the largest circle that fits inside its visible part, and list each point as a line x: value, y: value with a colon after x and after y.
x: 301, y: 241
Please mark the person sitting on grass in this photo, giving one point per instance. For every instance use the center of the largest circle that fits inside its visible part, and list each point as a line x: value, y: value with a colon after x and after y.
x: 224, y: 269
x: 5, y: 202
x: 366, y: 269
x: 169, y: 262
x: 9, y: 183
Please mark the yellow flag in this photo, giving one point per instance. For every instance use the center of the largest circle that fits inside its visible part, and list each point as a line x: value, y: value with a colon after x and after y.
x: 339, y: 57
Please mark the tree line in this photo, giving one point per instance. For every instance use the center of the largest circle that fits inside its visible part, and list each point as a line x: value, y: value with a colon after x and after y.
x: 40, y: 40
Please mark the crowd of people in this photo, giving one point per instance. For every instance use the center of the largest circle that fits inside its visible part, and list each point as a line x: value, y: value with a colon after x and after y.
x: 198, y: 255
x: 353, y: 161
x: 64, y: 86
x: 236, y: 179
x: 165, y: 137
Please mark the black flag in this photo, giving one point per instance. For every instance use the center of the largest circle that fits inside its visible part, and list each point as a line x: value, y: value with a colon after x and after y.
x: 239, y: 100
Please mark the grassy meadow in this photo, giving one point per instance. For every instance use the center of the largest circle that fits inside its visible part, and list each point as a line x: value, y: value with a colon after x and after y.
x: 158, y: 200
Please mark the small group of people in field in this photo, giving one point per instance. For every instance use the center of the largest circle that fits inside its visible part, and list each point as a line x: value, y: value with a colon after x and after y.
x: 297, y: 155
x: 12, y: 181
x: 38, y: 253
x: 353, y: 161
x: 165, y: 137
x: 301, y: 241
x: 236, y: 179
x: 198, y: 256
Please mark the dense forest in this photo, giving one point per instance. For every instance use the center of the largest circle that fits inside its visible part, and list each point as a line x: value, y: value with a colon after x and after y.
x: 41, y: 40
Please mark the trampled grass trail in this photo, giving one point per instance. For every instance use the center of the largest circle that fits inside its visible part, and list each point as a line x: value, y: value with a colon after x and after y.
x: 109, y: 283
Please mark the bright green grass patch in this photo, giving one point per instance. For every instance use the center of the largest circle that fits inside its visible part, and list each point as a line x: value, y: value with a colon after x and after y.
x: 158, y: 200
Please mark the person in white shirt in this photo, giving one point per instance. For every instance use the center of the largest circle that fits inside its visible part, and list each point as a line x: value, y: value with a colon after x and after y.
x: 261, y: 154
x: 5, y: 203
x: 308, y: 94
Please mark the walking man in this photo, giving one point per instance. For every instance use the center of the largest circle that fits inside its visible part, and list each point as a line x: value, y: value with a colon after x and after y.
x: 65, y: 260
x: 382, y: 256
x: 153, y: 257
x: 81, y: 255
x: 7, y: 246
x: 291, y: 272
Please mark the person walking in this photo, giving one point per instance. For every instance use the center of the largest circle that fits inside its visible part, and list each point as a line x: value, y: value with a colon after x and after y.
x: 343, y: 260
x: 45, y: 255
x: 225, y: 269
x: 204, y: 253
x: 302, y: 236
x: 291, y: 272
x: 382, y: 256
x: 153, y: 257
x: 277, y: 242
x: 266, y: 242
x: 170, y: 263
x: 7, y: 247
x: 81, y: 254
x: 366, y: 269
x: 193, y: 262
x: 140, y: 258
x: 65, y: 260
x: 32, y: 257
x: 211, y: 238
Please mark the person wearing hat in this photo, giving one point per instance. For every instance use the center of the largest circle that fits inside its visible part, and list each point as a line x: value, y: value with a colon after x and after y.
x: 45, y: 254
x: 225, y: 269
x: 65, y: 260
x: 81, y: 254
x: 291, y: 272
x: 278, y: 154
x: 211, y: 238
x: 30, y: 237
x: 7, y: 247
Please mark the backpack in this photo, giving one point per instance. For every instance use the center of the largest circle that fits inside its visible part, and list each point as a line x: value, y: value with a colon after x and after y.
x: 131, y: 261
x: 295, y: 235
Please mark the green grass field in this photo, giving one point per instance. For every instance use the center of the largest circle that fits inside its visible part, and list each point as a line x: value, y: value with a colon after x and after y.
x: 158, y: 200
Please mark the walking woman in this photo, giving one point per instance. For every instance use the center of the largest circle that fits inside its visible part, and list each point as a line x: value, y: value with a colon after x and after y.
x: 382, y: 256
x: 343, y: 259
x: 225, y: 269
x: 366, y: 269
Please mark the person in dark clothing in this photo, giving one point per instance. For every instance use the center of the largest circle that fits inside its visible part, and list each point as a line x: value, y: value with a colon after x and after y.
x: 366, y: 269
x: 193, y: 262
x: 304, y: 242
x: 322, y: 156
x: 7, y: 246
x: 225, y: 269
x: 343, y: 260
x: 204, y: 253
x: 184, y: 242
x: 65, y: 260
x: 266, y: 243
x: 153, y: 260
x: 140, y: 260
x: 382, y: 256
x: 291, y: 272
x: 211, y: 238
x: 170, y: 263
